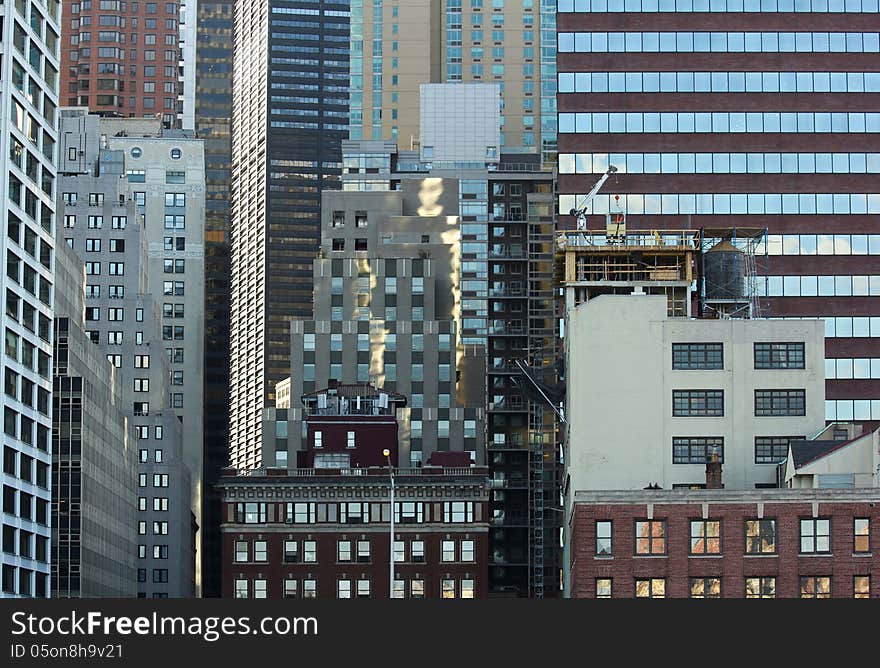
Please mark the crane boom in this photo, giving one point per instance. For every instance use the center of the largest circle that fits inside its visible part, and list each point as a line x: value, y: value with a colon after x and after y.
x: 580, y: 213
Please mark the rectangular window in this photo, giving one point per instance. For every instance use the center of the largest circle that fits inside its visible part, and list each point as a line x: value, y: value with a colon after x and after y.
x: 761, y: 587
x: 343, y: 551
x: 862, y: 535
x: 760, y: 536
x: 259, y: 550
x: 772, y: 449
x: 310, y: 589
x: 697, y: 449
x: 861, y: 586
x: 705, y: 537
x: 310, y: 552
x: 650, y: 587
x: 291, y: 552
x: 417, y: 551
x: 705, y: 588
x: 241, y: 551
x: 290, y: 588
x: 447, y: 588
x: 447, y: 550
x: 816, y: 587
x: 603, y: 587
x: 363, y: 551
x: 343, y: 589
x: 698, y: 403
x: 651, y: 537
x: 815, y: 536
x: 603, y: 538
x: 779, y: 356
x: 697, y: 356
x: 780, y: 402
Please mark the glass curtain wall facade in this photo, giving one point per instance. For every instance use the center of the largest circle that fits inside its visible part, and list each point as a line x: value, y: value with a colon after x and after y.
x: 29, y: 38
x: 739, y: 113
x: 213, y: 119
x: 290, y: 108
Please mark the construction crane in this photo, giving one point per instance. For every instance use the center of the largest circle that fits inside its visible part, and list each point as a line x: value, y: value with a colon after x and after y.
x: 580, y: 213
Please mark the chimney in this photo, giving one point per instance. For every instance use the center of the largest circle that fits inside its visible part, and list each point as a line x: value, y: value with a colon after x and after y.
x: 713, y: 472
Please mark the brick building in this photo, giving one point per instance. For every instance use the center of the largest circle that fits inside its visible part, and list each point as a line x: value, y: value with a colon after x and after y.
x: 779, y: 543
x: 323, y: 531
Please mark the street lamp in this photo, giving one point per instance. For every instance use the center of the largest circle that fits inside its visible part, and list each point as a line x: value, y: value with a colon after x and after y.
x: 387, y: 454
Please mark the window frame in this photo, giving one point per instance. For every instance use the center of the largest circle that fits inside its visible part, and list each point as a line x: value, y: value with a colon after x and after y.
x: 706, y: 539
x: 815, y: 536
x: 698, y: 356
x: 746, y: 536
x: 650, y: 538
x: 774, y: 358
x: 691, y: 395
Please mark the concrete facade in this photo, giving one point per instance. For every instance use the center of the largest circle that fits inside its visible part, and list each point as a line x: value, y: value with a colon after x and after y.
x: 460, y: 123
x: 105, y: 224
x: 387, y: 302
x: 94, y: 458
x: 621, y: 381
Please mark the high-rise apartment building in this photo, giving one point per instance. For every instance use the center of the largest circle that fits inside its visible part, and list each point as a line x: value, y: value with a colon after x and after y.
x: 123, y: 58
x: 290, y: 114
x: 396, y: 47
x: 142, y: 256
x: 741, y: 113
x: 29, y: 34
x: 213, y: 119
x: 94, y: 458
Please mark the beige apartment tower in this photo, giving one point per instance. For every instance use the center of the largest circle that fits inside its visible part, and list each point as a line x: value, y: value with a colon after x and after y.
x: 397, y: 46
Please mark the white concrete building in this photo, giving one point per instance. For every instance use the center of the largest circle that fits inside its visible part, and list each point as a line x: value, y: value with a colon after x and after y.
x: 650, y: 398
x: 29, y: 41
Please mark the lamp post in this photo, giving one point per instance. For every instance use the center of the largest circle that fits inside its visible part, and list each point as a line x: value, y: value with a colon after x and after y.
x: 387, y: 454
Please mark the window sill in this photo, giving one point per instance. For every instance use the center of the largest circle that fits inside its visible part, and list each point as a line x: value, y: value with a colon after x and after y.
x: 759, y: 556
x: 815, y: 554
x: 651, y: 556
x: 862, y: 554
x: 705, y: 556
x: 603, y: 557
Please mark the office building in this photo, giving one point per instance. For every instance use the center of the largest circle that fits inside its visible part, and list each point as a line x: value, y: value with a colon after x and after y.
x: 213, y: 118
x: 106, y: 223
x: 301, y: 548
x: 387, y: 312
x: 748, y: 114
x: 506, y: 275
x: 28, y: 109
x: 397, y: 47
x: 94, y: 459
x: 290, y: 111
x: 123, y: 58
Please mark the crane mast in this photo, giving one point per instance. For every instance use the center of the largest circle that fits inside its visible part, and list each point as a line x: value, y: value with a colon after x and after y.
x: 580, y: 213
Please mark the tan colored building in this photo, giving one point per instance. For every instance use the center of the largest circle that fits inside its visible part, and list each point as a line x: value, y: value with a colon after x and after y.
x: 448, y: 41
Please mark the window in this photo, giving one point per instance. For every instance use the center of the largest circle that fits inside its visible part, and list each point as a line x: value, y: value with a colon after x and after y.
x: 705, y: 588
x: 399, y: 590
x: 780, y: 402
x: 241, y: 551
x: 343, y: 551
x: 310, y: 589
x: 250, y: 513
x: 697, y: 450
x: 458, y: 511
x: 343, y: 589
x: 861, y: 586
x: 241, y: 589
x: 816, y: 587
x: 290, y: 588
x: 603, y: 538
x: 417, y: 551
x: 310, y: 553
x: 259, y: 550
x: 695, y: 403
x: 363, y: 551
x: 760, y: 536
x: 447, y: 550
x: 815, y: 536
x: 467, y: 551
x: 772, y: 449
x: 319, y: 439
x: 291, y: 553
x: 651, y: 537
x: 705, y: 537
x: 603, y: 587
x: 447, y: 588
x: 761, y: 587
x: 862, y: 535
x: 350, y: 440
x: 779, y: 355
x: 650, y: 587
x: 697, y: 356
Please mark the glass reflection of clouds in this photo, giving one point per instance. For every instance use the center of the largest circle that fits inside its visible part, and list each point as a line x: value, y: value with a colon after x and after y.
x: 429, y: 192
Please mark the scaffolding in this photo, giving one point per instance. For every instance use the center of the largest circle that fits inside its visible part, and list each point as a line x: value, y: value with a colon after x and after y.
x: 730, y: 284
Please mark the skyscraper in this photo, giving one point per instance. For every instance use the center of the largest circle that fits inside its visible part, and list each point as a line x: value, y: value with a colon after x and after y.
x: 29, y: 37
x: 213, y: 119
x: 396, y: 47
x: 749, y: 114
x: 290, y: 111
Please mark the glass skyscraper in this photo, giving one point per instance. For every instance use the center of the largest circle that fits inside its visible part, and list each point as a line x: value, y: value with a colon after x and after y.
x: 741, y: 113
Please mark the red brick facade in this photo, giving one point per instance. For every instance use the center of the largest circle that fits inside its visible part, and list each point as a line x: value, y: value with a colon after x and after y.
x: 325, y: 528
x: 676, y: 565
